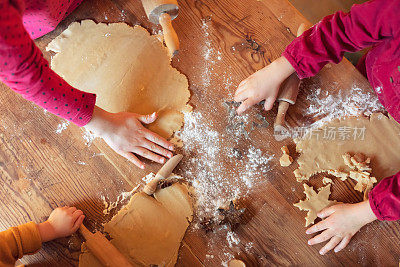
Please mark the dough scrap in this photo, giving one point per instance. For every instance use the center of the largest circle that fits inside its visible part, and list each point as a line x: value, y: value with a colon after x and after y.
x: 364, y: 180
x: 285, y: 159
x: 381, y: 141
x: 327, y: 180
x: 367, y: 190
x: 315, y: 202
x: 149, y: 231
x: 126, y: 67
x: 338, y: 174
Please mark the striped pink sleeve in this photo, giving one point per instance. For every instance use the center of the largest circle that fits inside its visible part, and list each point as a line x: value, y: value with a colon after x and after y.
x: 24, y: 69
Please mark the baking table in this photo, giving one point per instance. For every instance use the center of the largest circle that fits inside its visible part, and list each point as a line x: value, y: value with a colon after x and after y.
x: 45, y: 164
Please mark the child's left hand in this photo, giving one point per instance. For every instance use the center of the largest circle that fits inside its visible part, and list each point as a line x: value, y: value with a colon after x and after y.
x: 341, y: 222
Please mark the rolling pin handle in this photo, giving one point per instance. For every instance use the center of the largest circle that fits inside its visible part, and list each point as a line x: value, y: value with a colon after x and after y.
x: 162, y: 174
x: 282, y: 109
x: 84, y: 231
x: 151, y: 187
x: 170, y: 36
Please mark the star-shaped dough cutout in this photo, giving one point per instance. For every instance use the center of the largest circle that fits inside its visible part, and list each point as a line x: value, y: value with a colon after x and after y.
x: 315, y: 202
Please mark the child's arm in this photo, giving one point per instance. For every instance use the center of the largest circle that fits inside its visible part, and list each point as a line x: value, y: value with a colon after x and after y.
x: 28, y: 238
x: 365, y: 25
x: 24, y: 69
x: 18, y: 241
x: 385, y: 199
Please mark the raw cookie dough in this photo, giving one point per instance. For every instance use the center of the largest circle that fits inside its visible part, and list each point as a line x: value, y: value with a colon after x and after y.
x: 126, y: 67
x: 327, y: 180
x: 286, y: 159
x: 315, y: 202
x: 338, y: 174
x: 364, y: 180
x: 149, y: 231
x: 360, y: 171
x: 381, y: 141
x: 368, y: 190
x: 357, y: 162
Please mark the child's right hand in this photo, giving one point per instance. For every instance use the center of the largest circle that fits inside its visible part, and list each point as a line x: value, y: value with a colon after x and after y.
x: 263, y: 85
x: 62, y: 222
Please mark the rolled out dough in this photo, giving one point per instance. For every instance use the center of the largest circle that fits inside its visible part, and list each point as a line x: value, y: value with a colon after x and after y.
x: 149, y: 231
x: 381, y: 142
x: 126, y: 67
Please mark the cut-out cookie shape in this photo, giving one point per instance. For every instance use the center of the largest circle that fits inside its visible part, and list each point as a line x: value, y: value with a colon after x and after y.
x: 285, y: 159
x: 315, y: 202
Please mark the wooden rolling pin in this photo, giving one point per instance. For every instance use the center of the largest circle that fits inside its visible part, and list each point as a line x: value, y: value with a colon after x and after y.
x: 162, y: 174
x: 104, y: 251
x: 163, y: 12
x: 287, y: 96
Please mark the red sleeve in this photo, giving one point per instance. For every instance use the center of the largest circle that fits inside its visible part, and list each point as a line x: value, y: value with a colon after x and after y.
x: 24, y: 69
x: 384, y: 199
x: 365, y: 25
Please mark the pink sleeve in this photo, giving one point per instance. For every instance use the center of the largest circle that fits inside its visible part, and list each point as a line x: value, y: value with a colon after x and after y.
x: 365, y: 25
x: 384, y: 199
x: 24, y: 69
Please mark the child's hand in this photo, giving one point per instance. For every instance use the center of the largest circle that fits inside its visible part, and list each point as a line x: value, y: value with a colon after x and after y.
x: 341, y: 222
x: 62, y: 222
x: 125, y: 133
x: 263, y: 85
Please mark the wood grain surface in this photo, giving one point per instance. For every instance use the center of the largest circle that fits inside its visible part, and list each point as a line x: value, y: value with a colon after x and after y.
x: 41, y: 169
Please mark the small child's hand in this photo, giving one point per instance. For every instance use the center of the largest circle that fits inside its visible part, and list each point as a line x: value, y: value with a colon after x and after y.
x: 263, y: 85
x: 125, y: 134
x: 341, y: 222
x: 62, y: 222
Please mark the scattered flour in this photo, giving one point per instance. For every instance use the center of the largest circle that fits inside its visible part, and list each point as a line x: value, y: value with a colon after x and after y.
x: 108, y: 206
x: 249, y: 246
x: 152, y: 175
x: 122, y: 16
x: 62, y: 126
x: 326, y: 107
x: 214, y: 179
x: 88, y: 136
x: 148, y: 177
x: 211, y: 55
x: 232, y: 238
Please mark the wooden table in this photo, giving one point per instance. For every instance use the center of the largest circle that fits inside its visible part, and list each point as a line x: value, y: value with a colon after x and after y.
x: 41, y: 169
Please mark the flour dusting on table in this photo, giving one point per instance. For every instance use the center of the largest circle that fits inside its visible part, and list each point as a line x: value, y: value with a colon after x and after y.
x: 215, y: 181
x: 62, y: 126
x: 88, y: 136
x: 109, y: 206
x: 354, y: 102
